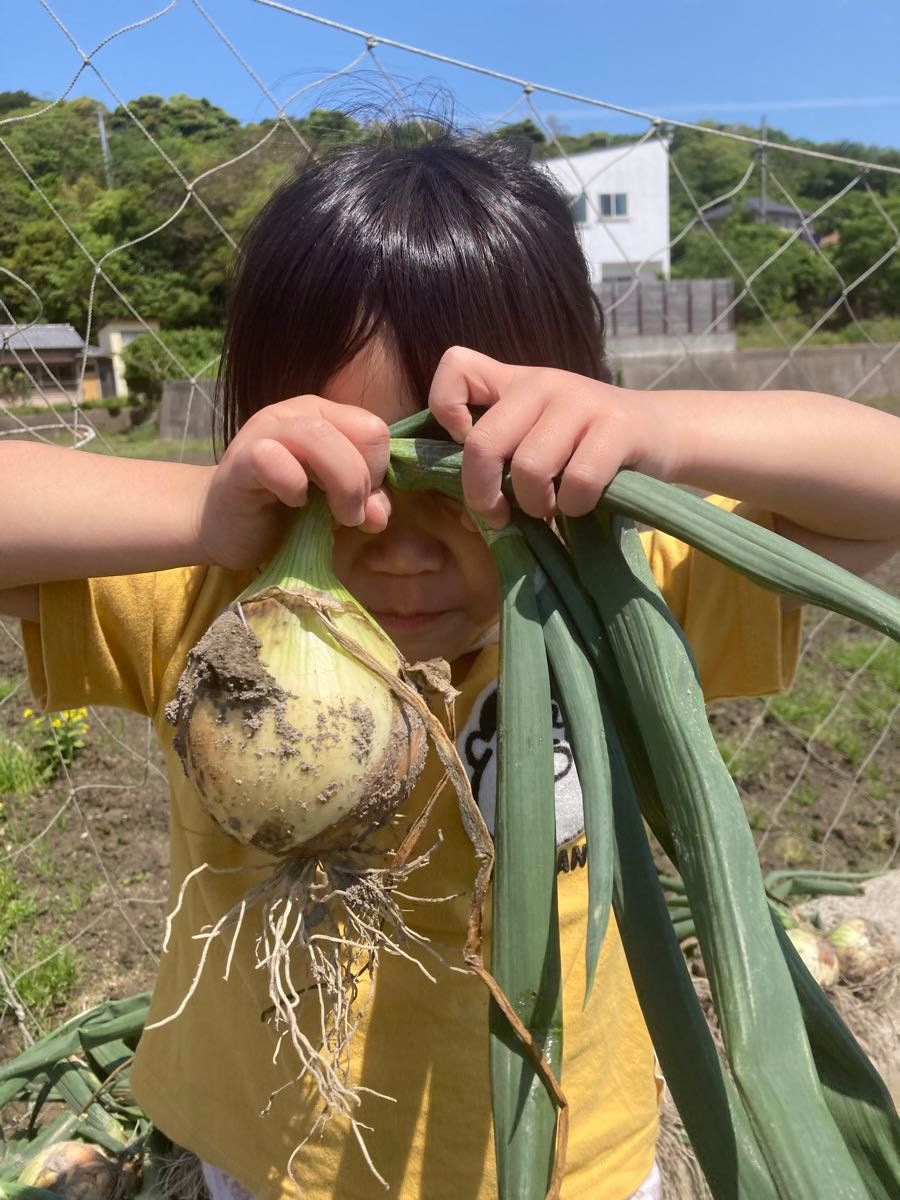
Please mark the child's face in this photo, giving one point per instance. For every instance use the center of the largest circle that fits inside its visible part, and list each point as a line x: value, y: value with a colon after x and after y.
x: 427, y: 579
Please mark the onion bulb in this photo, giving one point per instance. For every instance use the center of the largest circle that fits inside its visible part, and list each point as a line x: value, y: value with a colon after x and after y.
x: 864, y: 949
x: 301, y: 734
x: 292, y: 741
x: 818, y: 955
x: 75, y: 1171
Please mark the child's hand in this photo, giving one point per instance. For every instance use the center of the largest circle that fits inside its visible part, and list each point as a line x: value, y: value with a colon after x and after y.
x: 548, y: 425
x: 268, y: 467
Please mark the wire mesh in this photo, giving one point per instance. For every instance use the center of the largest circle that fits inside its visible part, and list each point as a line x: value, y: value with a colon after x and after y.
x: 82, y: 842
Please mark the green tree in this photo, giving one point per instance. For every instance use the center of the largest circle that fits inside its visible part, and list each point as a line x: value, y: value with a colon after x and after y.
x: 147, y: 365
x: 14, y: 384
x: 796, y: 280
x: 10, y: 101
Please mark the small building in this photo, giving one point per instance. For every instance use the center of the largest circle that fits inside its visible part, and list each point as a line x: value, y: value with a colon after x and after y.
x: 770, y: 212
x: 50, y: 364
x: 620, y: 200
x: 113, y: 337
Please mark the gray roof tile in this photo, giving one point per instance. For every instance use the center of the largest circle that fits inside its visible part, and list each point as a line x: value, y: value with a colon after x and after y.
x: 40, y: 337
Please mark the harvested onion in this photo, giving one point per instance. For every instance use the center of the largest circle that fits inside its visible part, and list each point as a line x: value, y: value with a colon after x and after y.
x: 302, y: 736
x: 75, y: 1171
x: 864, y: 949
x: 291, y: 741
x: 818, y: 955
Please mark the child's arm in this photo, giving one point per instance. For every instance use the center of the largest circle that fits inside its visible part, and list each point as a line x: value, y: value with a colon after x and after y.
x: 829, y: 469
x: 72, y: 515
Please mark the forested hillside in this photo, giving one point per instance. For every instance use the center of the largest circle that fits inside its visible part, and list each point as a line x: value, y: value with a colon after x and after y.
x: 178, y: 272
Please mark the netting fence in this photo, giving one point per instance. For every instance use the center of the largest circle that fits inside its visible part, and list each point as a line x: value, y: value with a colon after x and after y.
x: 82, y: 822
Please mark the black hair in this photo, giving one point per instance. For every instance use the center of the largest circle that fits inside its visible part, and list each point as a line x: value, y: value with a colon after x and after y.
x: 453, y: 241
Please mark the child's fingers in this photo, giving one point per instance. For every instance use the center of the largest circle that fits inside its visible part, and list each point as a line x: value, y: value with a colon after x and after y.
x: 466, y: 377
x: 492, y: 442
x: 594, y: 461
x: 366, y: 431
x: 333, y: 462
x: 273, y: 468
x: 378, y: 512
x: 540, y: 457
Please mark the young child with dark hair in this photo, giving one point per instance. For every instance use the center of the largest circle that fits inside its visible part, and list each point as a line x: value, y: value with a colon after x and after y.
x: 381, y: 279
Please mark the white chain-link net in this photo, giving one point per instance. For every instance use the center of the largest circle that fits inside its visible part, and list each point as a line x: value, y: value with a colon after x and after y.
x: 82, y: 851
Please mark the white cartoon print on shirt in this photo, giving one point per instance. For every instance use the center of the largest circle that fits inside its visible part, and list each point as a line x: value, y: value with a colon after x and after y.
x: 477, y: 745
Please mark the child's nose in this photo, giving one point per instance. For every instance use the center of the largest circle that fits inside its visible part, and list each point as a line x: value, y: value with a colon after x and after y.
x: 403, y: 549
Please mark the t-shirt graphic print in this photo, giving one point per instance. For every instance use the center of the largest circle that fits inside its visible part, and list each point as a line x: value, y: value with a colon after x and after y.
x: 477, y: 745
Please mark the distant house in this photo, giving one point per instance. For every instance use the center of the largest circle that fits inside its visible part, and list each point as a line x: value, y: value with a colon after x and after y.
x: 785, y: 216
x: 50, y: 358
x: 620, y: 200
x: 114, y: 336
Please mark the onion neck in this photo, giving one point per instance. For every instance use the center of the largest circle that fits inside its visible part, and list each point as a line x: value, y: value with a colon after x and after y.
x: 304, y: 560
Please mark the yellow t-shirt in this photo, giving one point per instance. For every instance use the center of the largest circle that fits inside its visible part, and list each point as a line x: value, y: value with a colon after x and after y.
x: 205, y: 1077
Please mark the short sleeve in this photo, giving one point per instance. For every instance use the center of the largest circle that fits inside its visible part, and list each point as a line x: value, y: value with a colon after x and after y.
x: 119, y: 641
x: 93, y: 643
x: 743, y: 643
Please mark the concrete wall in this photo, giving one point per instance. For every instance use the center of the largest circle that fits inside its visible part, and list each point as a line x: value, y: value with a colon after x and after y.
x: 186, y: 409
x: 852, y: 371
x: 98, y: 418
x: 187, y: 412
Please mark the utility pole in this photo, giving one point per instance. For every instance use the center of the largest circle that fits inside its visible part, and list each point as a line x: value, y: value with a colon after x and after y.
x: 104, y: 147
x: 764, y: 171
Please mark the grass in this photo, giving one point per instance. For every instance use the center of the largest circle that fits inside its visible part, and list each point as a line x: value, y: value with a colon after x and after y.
x: 761, y: 334
x: 45, y: 970
x: 747, y: 761
x: 45, y: 975
x: 7, y: 686
x: 144, y: 442
x: 22, y: 769
x: 16, y: 908
x: 808, y: 702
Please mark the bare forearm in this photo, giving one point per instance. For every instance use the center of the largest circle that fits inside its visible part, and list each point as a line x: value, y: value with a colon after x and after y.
x: 826, y: 464
x: 71, y: 515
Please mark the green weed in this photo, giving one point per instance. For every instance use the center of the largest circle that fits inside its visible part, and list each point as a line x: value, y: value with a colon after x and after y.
x: 16, y: 908
x: 808, y: 702
x: 21, y: 768
x: 747, y: 761
x: 45, y: 975
x: 8, y: 686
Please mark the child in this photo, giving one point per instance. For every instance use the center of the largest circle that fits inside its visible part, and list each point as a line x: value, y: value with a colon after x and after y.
x: 357, y: 287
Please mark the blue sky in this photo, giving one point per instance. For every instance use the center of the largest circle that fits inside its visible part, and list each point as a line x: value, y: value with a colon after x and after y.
x: 823, y: 69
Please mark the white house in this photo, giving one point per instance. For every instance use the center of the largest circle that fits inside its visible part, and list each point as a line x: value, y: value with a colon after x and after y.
x: 620, y: 200
x: 113, y: 337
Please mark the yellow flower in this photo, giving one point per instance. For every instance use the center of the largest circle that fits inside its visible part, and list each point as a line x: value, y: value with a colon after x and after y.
x: 28, y: 712
x: 56, y: 722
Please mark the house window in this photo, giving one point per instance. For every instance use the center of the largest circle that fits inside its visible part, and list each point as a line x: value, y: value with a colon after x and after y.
x: 613, y: 204
x: 578, y: 209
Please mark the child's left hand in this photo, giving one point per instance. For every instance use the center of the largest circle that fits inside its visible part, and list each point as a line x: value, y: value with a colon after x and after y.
x: 549, y: 425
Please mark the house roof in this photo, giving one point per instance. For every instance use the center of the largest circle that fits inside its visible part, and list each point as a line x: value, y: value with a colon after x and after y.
x: 40, y: 337
x: 754, y: 204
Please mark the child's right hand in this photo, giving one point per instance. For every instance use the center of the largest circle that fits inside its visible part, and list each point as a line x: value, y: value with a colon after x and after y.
x: 268, y: 467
